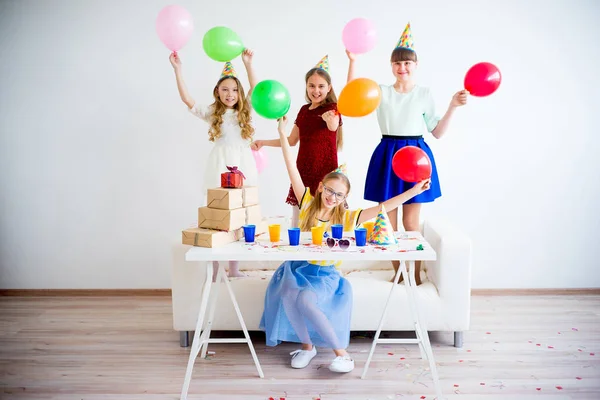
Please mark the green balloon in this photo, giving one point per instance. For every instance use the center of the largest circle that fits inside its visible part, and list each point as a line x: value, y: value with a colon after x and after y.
x: 271, y: 99
x: 222, y: 44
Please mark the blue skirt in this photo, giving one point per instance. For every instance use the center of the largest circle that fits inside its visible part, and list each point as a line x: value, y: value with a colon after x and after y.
x: 382, y: 183
x: 333, y: 295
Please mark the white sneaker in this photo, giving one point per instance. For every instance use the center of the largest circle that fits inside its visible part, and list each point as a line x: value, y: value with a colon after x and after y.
x: 301, y: 358
x: 342, y: 364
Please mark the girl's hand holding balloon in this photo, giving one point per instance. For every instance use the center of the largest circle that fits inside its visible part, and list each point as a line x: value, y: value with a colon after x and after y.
x: 175, y: 61
x: 459, y: 98
x: 247, y: 56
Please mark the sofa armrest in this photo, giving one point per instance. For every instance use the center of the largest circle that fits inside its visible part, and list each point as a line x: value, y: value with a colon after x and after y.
x: 451, y: 272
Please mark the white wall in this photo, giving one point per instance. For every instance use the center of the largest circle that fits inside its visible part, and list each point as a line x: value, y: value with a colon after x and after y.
x: 100, y: 162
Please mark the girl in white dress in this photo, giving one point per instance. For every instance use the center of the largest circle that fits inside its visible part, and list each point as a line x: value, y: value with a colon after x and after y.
x: 229, y: 117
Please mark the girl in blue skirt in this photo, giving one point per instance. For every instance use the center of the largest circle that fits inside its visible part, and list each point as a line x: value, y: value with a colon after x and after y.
x: 309, y: 302
x: 405, y: 113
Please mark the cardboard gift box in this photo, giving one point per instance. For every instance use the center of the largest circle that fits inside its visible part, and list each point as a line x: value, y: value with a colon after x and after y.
x: 253, y: 215
x: 225, y: 198
x: 202, y: 237
x: 249, y: 196
x: 210, y: 238
x: 232, y: 179
x: 222, y: 220
x: 232, y: 198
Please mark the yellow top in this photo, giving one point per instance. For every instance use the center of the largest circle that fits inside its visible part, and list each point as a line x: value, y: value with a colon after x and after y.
x: 350, y: 218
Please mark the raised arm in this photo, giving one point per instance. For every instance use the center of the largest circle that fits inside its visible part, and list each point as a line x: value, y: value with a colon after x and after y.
x: 247, y: 59
x: 183, y: 92
x: 351, y: 60
x: 293, y: 140
x: 394, y: 202
x: 290, y: 163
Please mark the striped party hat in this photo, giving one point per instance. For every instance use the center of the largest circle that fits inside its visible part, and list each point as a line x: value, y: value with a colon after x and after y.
x: 228, y: 71
x: 323, y: 63
x: 406, y: 40
x: 383, y: 233
x: 341, y: 169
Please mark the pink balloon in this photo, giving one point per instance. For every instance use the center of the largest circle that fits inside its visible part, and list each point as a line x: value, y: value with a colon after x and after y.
x: 260, y: 157
x: 359, y: 36
x: 174, y: 26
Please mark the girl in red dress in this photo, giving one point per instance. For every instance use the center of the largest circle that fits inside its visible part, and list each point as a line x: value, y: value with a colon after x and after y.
x: 318, y: 129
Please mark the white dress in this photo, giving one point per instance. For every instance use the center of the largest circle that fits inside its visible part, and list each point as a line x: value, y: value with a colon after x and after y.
x: 230, y: 149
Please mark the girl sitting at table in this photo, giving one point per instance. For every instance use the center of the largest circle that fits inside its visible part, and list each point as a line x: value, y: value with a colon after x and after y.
x: 309, y: 302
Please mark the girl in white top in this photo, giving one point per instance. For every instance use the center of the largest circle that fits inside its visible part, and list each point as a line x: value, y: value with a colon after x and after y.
x: 406, y: 112
x: 230, y: 129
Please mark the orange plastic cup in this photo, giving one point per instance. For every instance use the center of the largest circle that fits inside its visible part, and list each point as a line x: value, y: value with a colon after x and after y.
x: 317, y: 234
x: 275, y: 232
x: 369, y: 226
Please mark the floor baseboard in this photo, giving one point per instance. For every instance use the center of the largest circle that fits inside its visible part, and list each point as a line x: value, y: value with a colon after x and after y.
x: 167, y: 292
x: 84, y: 292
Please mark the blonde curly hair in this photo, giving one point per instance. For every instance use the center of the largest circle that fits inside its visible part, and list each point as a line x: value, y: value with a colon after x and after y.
x: 218, y: 109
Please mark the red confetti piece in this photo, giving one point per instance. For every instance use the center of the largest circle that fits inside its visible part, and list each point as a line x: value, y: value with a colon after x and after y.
x: 270, y: 398
x: 390, y: 354
x: 468, y: 351
x: 488, y: 333
x: 579, y: 350
x: 559, y: 333
x: 455, y: 385
x: 538, y: 389
x: 578, y: 378
x: 402, y: 358
x: 575, y: 329
x: 537, y: 344
x: 461, y: 360
x: 559, y: 387
x: 550, y: 347
x: 529, y: 341
x: 592, y: 354
x: 422, y: 397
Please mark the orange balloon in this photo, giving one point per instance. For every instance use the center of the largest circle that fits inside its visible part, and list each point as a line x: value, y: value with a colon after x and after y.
x: 359, y: 97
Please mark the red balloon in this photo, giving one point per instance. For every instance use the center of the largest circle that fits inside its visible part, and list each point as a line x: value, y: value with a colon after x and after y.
x: 411, y: 164
x: 482, y: 79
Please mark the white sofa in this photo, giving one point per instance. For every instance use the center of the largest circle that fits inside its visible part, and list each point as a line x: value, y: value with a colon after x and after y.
x: 443, y: 297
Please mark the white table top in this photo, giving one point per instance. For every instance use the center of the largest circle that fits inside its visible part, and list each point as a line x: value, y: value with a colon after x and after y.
x: 262, y: 249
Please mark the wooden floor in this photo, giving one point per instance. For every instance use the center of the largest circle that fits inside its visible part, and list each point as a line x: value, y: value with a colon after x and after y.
x: 519, y: 347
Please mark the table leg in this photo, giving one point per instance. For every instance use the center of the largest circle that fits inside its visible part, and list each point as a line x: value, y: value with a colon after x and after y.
x: 195, y: 349
x: 241, y: 319
x: 381, y: 321
x: 422, y: 334
x: 221, y: 275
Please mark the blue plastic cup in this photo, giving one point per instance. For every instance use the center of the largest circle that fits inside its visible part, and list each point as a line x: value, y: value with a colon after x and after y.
x: 249, y: 231
x: 337, y: 231
x: 361, y: 236
x: 294, y: 236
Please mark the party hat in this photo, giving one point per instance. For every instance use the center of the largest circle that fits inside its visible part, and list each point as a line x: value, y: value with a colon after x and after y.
x: 383, y: 233
x: 323, y: 63
x: 406, y: 40
x: 228, y: 71
x: 341, y: 169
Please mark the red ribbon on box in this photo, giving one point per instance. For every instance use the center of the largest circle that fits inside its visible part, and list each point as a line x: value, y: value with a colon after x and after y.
x: 233, y: 178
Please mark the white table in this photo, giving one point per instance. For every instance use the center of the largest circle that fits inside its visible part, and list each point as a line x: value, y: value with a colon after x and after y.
x: 406, y: 252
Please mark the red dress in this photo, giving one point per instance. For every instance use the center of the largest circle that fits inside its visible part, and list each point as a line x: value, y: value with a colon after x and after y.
x: 317, y: 155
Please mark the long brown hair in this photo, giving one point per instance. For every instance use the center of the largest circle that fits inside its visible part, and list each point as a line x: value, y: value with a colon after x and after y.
x: 312, y: 212
x: 330, y: 98
x: 218, y: 109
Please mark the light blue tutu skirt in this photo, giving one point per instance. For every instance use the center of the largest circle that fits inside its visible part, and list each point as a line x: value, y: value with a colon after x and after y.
x: 299, y: 296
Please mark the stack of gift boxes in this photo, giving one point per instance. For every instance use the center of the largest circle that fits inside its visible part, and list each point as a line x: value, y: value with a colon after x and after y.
x: 228, y: 209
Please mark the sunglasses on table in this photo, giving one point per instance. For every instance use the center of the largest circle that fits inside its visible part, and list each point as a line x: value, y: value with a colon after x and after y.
x: 342, y: 243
